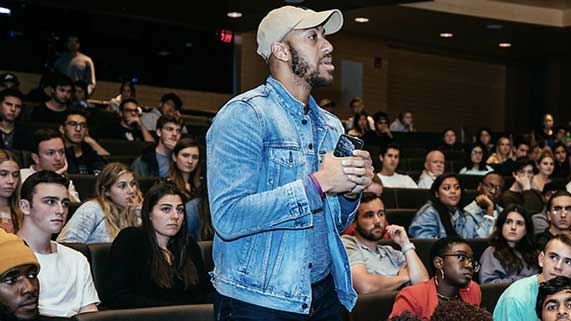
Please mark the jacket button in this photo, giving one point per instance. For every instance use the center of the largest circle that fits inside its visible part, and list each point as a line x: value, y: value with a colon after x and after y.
x: 304, y: 121
x: 304, y: 306
x: 310, y: 146
x: 309, y: 265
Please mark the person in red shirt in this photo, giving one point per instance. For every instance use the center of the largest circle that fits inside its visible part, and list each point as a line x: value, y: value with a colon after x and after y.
x: 454, y: 266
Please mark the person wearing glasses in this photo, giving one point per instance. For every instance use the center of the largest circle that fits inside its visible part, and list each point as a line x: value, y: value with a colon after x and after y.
x: 520, y: 192
x: 485, y: 205
x: 511, y: 255
x: 558, y: 212
x: 454, y: 265
x: 129, y: 127
x: 83, y: 153
x: 376, y: 267
x: 517, y: 302
x: 475, y: 160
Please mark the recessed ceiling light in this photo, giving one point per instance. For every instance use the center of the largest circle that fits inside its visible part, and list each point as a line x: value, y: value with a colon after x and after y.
x: 234, y: 14
x: 361, y: 20
x: 5, y: 11
x: 446, y: 35
x: 494, y: 26
x: 504, y: 45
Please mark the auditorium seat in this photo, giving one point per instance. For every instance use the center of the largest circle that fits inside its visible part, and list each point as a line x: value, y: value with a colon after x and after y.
x: 123, y: 147
x: 100, y: 268
x: 373, y: 306
x: 400, y: 216
x: 84, y: 184
x: 206, y: 249
x: 389, y: 198
x: 491, y: 293
x: 470, y: 181
x: 80, y: 247
x: 198, y: 312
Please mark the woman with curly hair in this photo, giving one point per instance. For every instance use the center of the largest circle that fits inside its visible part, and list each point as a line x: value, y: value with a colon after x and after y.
x: 512, y: 255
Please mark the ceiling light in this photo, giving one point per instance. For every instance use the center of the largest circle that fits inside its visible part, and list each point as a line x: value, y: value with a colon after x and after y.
x: 446, y: 35
x: 234, y: 14
x: 504, y: 44
x: 361, y: 20
x: 494, y: 26
x: 294, y: 1
x: 5, y: 11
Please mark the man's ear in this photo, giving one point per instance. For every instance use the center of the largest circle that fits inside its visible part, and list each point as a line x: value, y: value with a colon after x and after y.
x: 158, y: 132
x: 381, y: 157
x: 35, y: 158
x: 25, y: 206
x: 280, y: 51
x: 540, y: 259
x: 61, y: 129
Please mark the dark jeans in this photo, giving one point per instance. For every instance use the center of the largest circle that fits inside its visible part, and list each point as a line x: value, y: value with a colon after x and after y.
x: 324, y: 306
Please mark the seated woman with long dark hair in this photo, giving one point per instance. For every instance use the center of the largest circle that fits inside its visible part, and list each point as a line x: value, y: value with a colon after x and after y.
x: 454, y: 265
x: 157, y: 264
x: 443, y: 215
x: 476, y: 161
x: 512, y: 255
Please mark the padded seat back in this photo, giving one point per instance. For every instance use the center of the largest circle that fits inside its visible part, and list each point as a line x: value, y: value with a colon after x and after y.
x: 491, y: 293
x: 84, y: 184
x: 123, y: 147
x: 400, y: 216
x: 100, y: 268
x: 197, y: 312
x: 206, y: 249
x: 373, y: 306
x: 470, y: 181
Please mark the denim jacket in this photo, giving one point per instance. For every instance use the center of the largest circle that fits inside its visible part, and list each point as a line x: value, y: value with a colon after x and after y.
x: 426, y: 224
x: 258, y: 157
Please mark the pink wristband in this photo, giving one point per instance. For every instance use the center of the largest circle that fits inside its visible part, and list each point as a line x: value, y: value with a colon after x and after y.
x: 317, y: 185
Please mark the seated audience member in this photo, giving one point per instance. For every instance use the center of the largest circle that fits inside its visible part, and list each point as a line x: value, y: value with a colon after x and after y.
x: 484, y: 137
x: 485, y: 206
x: 170, y: 107
x: 522, y: 149
x: 10, y: 214
x: 562, y: 168
x: 540, y: 222
x: 455, y: 310
x: 360, y: 125
x: 449, y: 142
x: 53, y: 110
x: 357, y: 105
x: 129, y: 126
x: 376, y: 186
x: 558, y: 212
x: 475, y: 164
x: 511, y: 255
x: 442, y: 215
x: 381, y: 136
x: 43, y: 92
x: 79, y: 95
x: 9, y: 81
x: 433, y: 167
x: 49, y: 155
x: 560, y: 135
x: 185, y: 173
x: 65, y: 278
x: 115, y: 207
x: 126, y: 91
x: 554, y: 299
x: 517, y: 302
x: 537, y: 149
x: 155, y: 160
x: 19, y: 285
x: 403, y: 123
x: 545, y: 165
x: 454, y: 266
x: 13, y: 135
x: 328, y: 105
x: 157, y: 264
x: 389, y: 157
x: 546, y: 132
x: 377, y: 267
x: 502, y: 153
x: 82, y: 152
x: 520, y: 192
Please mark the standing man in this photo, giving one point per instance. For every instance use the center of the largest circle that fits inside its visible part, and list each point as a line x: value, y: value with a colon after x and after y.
x: 76, y: 65
x: 279, y: 198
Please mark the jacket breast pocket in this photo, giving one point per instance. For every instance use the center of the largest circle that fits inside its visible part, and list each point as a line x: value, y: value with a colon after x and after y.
x: 286, y: 165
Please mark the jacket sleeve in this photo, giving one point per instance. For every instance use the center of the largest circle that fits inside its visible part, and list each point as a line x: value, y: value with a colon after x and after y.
x: 81, y: 225
x: 425, y: 224
x: 235, y: 145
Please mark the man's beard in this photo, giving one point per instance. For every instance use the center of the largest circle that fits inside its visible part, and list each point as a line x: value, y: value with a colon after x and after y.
x: 369, y: 234
x: 7, y: 315
x: 301, y: 68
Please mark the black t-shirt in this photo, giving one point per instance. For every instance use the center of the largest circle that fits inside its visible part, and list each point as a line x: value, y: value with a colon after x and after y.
x: 116, y: 131
x: 43, y: 114
x: 19, y: 138
x: 89, y: 163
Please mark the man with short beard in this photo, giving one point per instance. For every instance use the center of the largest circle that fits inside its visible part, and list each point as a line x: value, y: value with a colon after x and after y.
x: 53, y: 110
x: 279, y: 198
x: 377, y: 267
x: 19, y: 285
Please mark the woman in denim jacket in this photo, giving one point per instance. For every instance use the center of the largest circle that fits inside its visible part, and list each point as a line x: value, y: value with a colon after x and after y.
x: 443, y: 215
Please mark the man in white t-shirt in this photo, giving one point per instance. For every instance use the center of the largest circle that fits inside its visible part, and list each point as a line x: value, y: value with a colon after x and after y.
x: 66, y: 285
x: 389, y: 157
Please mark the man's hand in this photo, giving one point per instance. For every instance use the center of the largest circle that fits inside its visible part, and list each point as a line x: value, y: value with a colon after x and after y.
x: 398, y: 235
x: 331, y: 175
x: 360, y: 170
x: 63, y: 170
x: 485, y: 203
x: 523, y: 181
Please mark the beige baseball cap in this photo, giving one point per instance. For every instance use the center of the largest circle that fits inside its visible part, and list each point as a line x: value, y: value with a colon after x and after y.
x: 278, y: 22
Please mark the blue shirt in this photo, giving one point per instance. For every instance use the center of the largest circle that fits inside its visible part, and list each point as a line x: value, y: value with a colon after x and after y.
x: 517, y: 303
x: 163, y: 161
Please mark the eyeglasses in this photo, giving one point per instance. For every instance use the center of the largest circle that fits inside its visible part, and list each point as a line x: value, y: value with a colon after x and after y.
x: 558, y: 209
x: 477, y: 152
x: 496, y: 188
x: 128, y: 110
x: 464, y: 259
x: 74, y: 124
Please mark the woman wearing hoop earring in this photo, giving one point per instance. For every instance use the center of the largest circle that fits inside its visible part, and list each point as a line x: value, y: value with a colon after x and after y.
x: 454, y: 266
